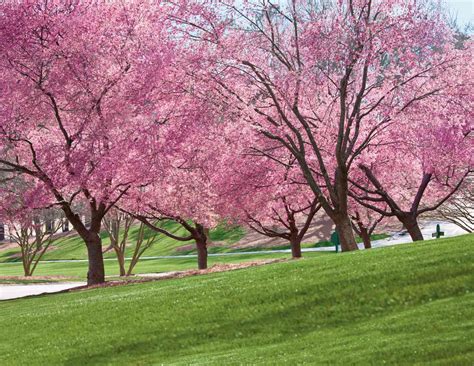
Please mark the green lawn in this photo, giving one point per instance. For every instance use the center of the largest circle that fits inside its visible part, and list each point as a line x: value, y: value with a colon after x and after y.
x: 408, y: 304
x: 79, y: 269
x: 72, y: 247
x: 223, y: 249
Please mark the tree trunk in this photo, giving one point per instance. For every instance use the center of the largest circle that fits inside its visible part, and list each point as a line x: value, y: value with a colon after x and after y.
x: 364, y: 234
x: 346, y: 235
x: 26, y: 269
x: 134, y: 260
x: 295, y: 244
x: 121, y: 261
x: 410, y: 223
x: 131, y: 266
x: 201, y: 246
x: 96, y: 273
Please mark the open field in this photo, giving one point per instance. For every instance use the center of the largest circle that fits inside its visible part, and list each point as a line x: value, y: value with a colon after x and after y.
x: 406, y: 304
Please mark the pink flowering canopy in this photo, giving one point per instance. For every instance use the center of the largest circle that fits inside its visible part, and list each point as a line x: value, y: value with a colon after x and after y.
x: 333, y: 84
x: 77, y: 84
x: 207, y: 111
x: 87, y: 102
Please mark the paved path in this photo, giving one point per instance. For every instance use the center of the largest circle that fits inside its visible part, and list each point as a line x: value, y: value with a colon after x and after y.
x: 15, y: 291
x: 427, y: 229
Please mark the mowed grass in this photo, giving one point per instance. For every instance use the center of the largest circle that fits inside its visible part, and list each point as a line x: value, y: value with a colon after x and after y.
x: 408, y: 304
x: 71, y: 246
x: 78, y: 270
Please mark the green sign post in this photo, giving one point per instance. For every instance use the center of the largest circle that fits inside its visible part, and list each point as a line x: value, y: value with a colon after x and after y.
x: 438, y: 234
x: 335, y: 240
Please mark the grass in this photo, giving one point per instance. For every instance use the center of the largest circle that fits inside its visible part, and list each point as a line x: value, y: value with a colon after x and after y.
x: 319, y: 244
x: 78, y: 270
x: 72, y: 247
x: 408, y: 304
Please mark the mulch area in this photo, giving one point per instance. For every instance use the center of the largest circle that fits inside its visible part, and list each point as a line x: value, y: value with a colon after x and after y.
x: 37, y: 278
x: 181, y: 274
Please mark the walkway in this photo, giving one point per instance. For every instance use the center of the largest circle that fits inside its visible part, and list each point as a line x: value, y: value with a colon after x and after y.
x: 15, y: 291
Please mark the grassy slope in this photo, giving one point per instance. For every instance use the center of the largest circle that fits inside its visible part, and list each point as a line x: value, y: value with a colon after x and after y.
x: 72, y: 246
x: 284, y: 245
x: 409, y: 304
x: 79, y: 269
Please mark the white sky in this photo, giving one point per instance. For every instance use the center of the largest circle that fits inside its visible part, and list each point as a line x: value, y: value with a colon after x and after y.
x: 464, y: 9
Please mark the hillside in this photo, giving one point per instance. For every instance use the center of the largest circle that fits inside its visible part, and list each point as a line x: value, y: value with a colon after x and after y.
x: 405, y: 304
x: 223, y: 239
x: 71, y: 246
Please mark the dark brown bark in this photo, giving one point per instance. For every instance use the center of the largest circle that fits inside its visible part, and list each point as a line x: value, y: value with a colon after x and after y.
x: 91, y: 237
x: 346, y: 234
x: 201, y: 247
x: 197, y: 232
x: 295, y: 244
x: 2, y: 232
x: 96, y: 273
x: 409, y: 219
x: 410, y: 223
x: 340, y: 216
x: 200, y: 235
x: 294, y: 233
x: 364, y: 234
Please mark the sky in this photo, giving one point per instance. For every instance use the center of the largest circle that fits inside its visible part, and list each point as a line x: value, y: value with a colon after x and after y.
x: 464, y: 9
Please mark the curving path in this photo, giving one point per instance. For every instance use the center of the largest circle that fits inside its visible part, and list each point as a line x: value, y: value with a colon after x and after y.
x: 16, y: 291
x: 8, y: 292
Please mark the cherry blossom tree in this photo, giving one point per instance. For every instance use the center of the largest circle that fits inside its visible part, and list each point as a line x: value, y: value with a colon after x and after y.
x: 180, y: 189
x: 189, y: 180
x: 420, y: 168
x: 269, y: 197
x: 324, y: 80
x: 408, y: 202
x: 180, y: 194
x: 78, y: 95
x: 292, y: 225
x: 365, y: 221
